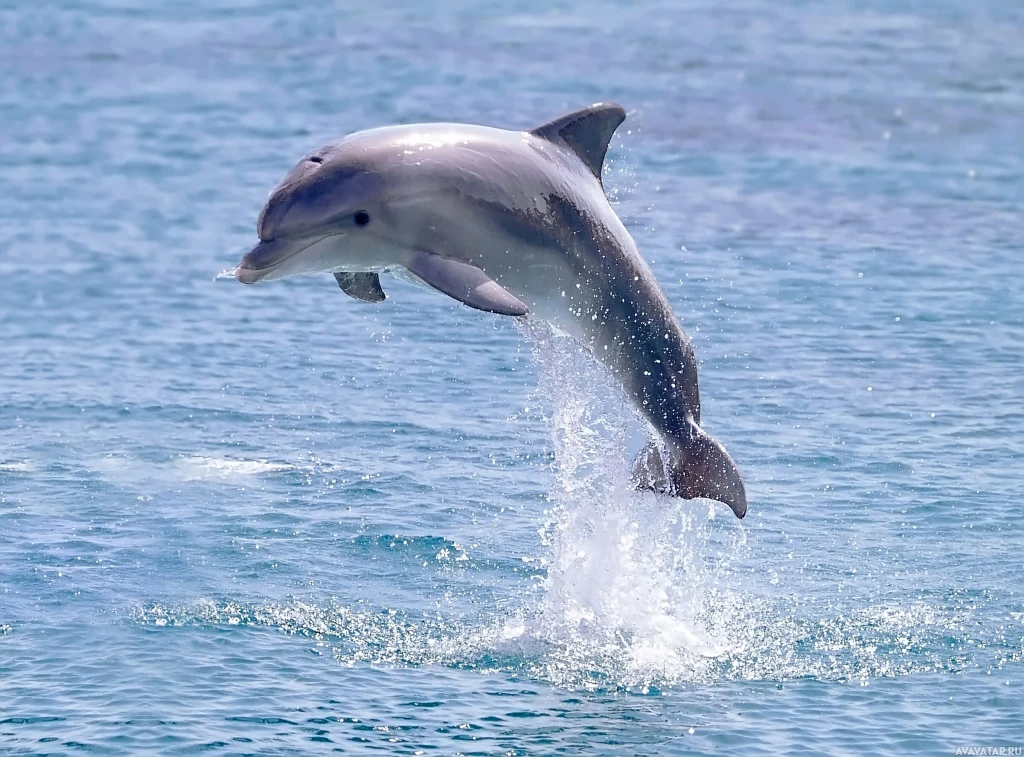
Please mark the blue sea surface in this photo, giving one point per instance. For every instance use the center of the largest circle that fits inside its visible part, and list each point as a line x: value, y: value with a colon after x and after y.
x: 276, y: 520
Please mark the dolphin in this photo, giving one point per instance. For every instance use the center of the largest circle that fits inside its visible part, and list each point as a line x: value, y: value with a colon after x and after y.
x: 509, y: 222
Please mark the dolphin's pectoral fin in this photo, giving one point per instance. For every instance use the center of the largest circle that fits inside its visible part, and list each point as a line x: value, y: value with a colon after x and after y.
x: 466, y: 283
x: 586, y: 132
x: 362, y: 286
x: 699, y: 467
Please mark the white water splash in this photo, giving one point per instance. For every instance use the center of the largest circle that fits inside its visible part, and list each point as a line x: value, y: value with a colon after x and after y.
x: 883, y: 641
x: 126, y: 468
x: 16, y: 466
x: 631, y: 572
x: 199, y: 468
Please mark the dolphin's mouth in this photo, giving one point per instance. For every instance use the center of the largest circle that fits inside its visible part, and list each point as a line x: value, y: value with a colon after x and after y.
x: 266, y: 258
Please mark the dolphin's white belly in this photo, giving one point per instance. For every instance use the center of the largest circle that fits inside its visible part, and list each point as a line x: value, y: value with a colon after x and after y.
x: 545, y: 282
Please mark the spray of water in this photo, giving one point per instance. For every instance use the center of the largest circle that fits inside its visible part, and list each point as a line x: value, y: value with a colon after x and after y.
x: 630, y: 572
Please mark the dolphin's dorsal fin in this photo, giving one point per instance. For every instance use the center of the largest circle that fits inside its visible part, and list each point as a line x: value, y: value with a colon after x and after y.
x: 361, y: 286
x: 466, y: 283
x: 586, y: 132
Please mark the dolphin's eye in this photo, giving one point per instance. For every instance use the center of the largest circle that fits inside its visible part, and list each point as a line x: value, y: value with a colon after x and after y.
x: 361, y: 218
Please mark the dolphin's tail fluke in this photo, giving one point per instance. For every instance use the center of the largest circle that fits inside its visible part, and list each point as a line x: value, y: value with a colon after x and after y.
x: 697, y: 466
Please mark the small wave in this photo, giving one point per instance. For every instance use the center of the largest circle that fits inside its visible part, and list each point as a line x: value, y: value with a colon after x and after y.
x: 184, y: 468
x: 11, y: 466
x: 418, y: 547
x: 193, y: 467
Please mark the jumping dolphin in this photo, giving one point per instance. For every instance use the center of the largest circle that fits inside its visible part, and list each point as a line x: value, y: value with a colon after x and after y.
x: 510, y: 222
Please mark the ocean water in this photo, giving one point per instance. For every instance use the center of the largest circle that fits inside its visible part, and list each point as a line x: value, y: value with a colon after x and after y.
x: 275, y: 520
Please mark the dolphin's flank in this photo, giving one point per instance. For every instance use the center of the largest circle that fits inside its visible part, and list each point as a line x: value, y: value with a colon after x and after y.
x: 509, y: 222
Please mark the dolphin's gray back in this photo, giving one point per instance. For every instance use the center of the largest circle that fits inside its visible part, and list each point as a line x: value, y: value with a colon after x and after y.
x: 618, y: 309
x: 634, y: 319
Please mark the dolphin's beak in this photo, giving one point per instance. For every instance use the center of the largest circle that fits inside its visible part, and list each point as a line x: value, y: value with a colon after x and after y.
x: 263, y: 260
